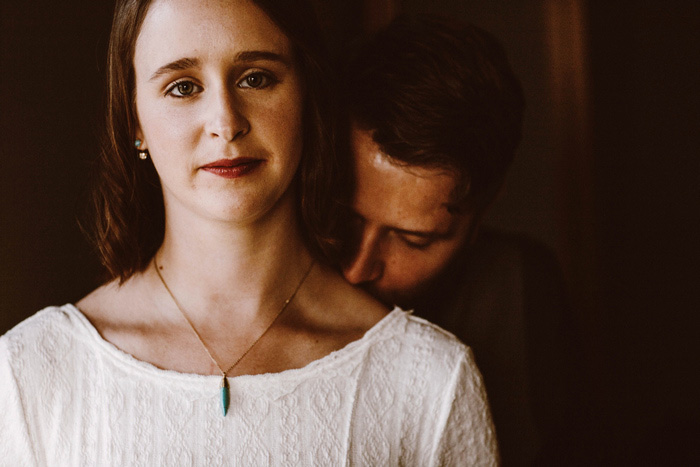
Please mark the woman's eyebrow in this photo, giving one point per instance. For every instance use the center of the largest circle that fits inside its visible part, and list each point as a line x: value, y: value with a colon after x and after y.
x: 246, y: 56
x: 177, y: 65
x: 255, y: 55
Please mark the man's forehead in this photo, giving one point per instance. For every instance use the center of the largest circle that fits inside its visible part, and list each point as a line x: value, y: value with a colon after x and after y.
x: 405, y: 197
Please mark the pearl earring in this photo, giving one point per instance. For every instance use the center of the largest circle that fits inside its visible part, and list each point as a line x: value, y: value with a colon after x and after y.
x: 143, y: 154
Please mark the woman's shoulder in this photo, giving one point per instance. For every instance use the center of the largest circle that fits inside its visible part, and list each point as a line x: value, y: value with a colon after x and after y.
x: 426, y: 336
x: 43, y: 335
x: 418, y: 372
x: 409, y: 346
x: 50, y: 320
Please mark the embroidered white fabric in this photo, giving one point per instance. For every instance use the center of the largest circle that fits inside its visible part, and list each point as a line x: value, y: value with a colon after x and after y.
x: 407, y: 393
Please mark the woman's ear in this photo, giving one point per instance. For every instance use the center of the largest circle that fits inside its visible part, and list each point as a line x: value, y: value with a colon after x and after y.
x: 140, y: 141
x: 140, y: 145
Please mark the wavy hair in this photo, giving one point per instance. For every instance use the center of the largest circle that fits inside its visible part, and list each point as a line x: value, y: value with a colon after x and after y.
x: 126, y: 220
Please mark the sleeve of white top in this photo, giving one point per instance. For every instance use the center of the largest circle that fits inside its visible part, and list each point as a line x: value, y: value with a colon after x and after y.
x: 15, y: 442
x: 465, y: 434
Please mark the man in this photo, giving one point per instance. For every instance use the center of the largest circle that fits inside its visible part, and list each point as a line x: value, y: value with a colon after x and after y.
x: 436, y: 117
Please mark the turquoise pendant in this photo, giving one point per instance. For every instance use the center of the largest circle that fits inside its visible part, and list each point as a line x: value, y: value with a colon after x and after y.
x: 224, y: 395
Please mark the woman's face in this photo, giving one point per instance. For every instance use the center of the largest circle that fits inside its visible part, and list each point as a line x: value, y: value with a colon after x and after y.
x: 219, y: 105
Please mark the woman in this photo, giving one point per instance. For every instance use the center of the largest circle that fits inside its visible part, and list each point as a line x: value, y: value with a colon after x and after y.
x: 223, y: 337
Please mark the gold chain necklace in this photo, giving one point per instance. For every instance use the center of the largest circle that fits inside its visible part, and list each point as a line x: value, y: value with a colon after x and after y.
x: 224, y: 388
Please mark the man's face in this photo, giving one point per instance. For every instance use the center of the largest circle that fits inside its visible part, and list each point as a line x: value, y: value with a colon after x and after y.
x: 404, y: 234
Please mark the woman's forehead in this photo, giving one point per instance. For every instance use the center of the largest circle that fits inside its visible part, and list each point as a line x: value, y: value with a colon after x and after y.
x: 173, y: 29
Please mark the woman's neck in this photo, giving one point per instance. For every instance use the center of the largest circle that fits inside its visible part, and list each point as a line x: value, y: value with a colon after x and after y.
x: 209, y: 266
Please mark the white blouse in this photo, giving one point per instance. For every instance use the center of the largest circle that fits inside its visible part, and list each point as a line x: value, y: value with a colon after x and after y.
x: 407, y: 393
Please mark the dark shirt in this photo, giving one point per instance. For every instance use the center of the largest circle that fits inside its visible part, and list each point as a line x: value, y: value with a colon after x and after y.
x: 505, y: 297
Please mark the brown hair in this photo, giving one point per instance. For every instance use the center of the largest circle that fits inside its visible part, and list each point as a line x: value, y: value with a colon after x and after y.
x: 441, y: 94
x: 127, y: 218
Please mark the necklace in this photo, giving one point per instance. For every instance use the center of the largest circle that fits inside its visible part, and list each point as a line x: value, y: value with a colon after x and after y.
x: 224, y: 387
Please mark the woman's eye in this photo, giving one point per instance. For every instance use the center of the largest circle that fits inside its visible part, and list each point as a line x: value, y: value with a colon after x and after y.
x: 182, y: 89
x: 256, y: 81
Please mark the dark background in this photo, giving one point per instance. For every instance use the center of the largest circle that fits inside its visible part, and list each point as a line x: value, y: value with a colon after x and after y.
x: 608, y: 176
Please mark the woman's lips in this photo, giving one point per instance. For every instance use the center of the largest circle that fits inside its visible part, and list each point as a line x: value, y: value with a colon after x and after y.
x: 233, y: 168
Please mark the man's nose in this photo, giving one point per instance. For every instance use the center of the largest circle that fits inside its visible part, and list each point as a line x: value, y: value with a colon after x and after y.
x: 366, y: 264
x: 226, y: 115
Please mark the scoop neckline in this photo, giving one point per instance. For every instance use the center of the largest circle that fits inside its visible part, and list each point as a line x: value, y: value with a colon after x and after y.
x: 127, y: 360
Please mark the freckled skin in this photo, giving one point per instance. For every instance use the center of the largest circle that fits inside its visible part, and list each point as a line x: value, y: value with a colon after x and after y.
x: 216, y: 113
x: 404, y: 234
x: 216, y: 79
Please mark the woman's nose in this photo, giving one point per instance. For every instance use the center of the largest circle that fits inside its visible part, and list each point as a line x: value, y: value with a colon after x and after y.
x: 227, y: 115
x: 366, y: 264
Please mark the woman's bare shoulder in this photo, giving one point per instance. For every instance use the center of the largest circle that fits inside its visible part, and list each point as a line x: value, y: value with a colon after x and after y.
x: 115, y: 306
x: 341, y: 304
x: 103, y: 301
x: 95, y: 300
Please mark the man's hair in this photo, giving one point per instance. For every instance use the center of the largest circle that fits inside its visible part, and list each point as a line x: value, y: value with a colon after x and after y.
x: 127, y: 217
x: 439, y: 94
